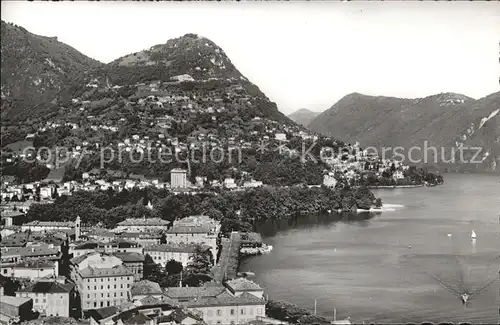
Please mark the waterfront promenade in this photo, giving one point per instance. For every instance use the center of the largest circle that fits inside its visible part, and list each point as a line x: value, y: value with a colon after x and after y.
x: 229, y: 259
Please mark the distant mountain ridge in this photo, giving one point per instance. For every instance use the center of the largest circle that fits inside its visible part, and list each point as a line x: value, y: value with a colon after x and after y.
x: 445, y: 120
x: 55, y: 73
x: 303, y: 116
x: 35, y: 69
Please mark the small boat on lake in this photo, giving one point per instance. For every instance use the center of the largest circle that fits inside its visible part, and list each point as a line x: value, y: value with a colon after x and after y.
x: 465, y: 298
x: 473, y: 235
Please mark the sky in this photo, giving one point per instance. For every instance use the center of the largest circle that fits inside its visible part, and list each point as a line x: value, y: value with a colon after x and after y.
x: 300, y: 54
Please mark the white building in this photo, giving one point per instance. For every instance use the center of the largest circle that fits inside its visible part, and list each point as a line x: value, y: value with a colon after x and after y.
x: 50, y: 298
x: 142, y: 225
x: 102, y: 280
x: 229, y: 183
x: 280, y: 136
x: 329, y: 180
x: 240, y: 302
x: 161, y: 254
x: 201, y: 230
x: 178, y: 178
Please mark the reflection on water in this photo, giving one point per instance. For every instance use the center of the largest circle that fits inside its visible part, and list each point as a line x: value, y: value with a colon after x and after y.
x: 393, y: 267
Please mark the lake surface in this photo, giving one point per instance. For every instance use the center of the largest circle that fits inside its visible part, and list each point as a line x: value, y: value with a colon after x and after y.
x: 367, y: 270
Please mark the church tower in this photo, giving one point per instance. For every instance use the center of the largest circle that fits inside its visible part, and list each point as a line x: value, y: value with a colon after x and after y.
x: 77, y: 228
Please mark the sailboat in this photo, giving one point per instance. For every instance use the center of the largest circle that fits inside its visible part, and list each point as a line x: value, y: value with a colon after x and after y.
x: 473, y: 235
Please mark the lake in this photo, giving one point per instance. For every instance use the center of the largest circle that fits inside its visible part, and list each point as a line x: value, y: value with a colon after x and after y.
x: 397, y: 266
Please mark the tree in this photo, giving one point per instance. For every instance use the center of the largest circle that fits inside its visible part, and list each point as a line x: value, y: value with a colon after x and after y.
x: 151, y: 270
x: 173, y: 267
x: 198, y: 269
x: 11, y: 286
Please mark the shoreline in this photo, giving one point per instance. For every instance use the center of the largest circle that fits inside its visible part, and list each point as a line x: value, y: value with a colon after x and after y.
x: 394, y: 186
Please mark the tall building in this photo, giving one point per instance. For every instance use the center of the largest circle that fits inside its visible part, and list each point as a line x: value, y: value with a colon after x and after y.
x: 78, y: 223
x: 102, y: 280
x: 178, y: 178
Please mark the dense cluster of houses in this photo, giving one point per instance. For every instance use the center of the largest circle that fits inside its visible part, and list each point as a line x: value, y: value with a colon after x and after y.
x: 104, y: 277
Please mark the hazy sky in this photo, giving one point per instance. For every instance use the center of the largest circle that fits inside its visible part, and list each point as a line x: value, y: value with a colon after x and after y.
x: 301, y: 54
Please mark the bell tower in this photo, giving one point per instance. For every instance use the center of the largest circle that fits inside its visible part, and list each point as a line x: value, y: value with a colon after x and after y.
x: 77, y: 228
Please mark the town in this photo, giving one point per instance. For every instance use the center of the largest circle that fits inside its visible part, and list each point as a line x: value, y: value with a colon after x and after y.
x: 146, y: 269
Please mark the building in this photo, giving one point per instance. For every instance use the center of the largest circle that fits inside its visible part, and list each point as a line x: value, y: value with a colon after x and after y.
x: 148, y: 311
x: 239, y: 302
x: 31, y: 269
x: 252, y: 183
x: 100, y: 234
x: 44, y: 226
x: 101, y: 279
x: 142, y: 225
x: 143, y: 238
x: 12, y: 218
x: 239, y: 286
x: 115, y: 246
x: 19, y: 254
x: 329, y: 180
x: 145, y: 288
x: 280, y: 136
x: 201, y: 230
x: 161, y: 254
x: 229, y: 183
x: 16, y: 239
x: 134, y: 262
x: 15, y: 309
x: 50, y: 298
x: 178, y: 178
x: 30, y: 262
x: 398, y: 174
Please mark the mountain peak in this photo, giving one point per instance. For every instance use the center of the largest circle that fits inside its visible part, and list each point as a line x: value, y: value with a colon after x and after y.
x: 449, y: 98
x: 190, y: 54
x: 303, y: 116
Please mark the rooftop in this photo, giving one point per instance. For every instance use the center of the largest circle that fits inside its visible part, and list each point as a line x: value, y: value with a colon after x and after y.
x: 13, y: 301
x: 119, y: 270
x: 103, y: 313
x: 177, y: 248
x: 243, y: 284
x: 15, y: 239
x: 29, y: 251
x: 34, y: 264
x: 181, y: 293
x: 137, y: 319
x: 120, y: 243
x: 178, y: 316
x: 224, y: 299
x: 194, y: 224
x: 144, y: 235
x: 38, y: 223
x: 11, y: 214
x: 49, y: 287
x: 130, y: 257
x: 144, y: 222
